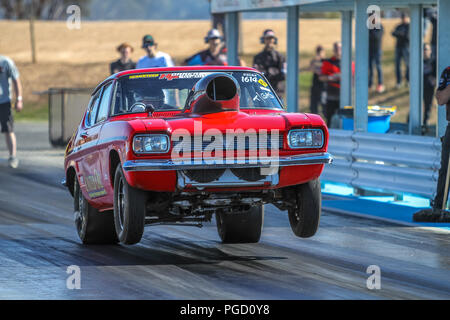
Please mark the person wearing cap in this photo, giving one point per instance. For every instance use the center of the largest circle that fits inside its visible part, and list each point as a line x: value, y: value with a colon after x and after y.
x: 438, y: 204
x: 271, y: 62
x: 214, y: 55
x: 443, y: 98
x: 9, y: 74
x: 124, y: 62
x: 154, y: 58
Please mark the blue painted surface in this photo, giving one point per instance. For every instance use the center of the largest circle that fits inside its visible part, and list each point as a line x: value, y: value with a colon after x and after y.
x: 341, y: 198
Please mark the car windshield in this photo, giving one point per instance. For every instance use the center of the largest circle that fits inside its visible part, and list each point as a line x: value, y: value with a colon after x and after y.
x: 169, y: 91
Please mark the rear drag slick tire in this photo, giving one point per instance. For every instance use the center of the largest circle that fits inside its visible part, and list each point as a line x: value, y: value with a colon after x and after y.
x: 93, y: 227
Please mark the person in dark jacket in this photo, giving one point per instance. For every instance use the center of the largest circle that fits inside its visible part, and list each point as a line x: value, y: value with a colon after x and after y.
x: 271, y: 62
x: 317, y: 87
x: 214, y: 55
x: 375, y: 53
x: 429, y: 82
x: 438, y: 205
x: 443, y: 97
x: 401, y: 33
x: 331, y: 75
x: 124, y: 62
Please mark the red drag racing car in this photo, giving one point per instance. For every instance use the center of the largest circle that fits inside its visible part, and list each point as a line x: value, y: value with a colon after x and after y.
x: 178, y: 145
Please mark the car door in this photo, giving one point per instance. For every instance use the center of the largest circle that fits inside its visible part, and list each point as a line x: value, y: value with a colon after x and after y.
x: 89, y: 166
x: 103, y: 147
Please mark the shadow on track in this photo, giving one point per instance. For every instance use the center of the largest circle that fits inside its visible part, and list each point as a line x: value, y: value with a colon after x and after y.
x: 62, y: 252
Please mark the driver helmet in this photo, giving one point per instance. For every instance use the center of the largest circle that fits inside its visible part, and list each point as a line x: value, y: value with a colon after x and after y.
x: 149, y: 96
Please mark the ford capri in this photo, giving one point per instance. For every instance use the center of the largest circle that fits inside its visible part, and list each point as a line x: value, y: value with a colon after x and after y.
x: 182, y: 145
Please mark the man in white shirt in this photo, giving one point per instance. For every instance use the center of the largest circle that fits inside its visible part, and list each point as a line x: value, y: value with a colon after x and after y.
x: 154, y: 58
x: 9, y: 75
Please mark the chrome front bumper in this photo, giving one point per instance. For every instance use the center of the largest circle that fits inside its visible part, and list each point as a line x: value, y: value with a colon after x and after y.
x: 285, y: 161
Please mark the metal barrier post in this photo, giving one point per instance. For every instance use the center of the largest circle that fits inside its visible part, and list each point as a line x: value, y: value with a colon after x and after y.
x: 346, y: 60
x: 232, y: 35
x: 292, y: 58
x: 415, y: 69
x: 361, y: 66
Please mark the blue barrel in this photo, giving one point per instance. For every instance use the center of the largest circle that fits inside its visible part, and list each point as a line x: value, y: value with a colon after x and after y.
x: 379, y: 118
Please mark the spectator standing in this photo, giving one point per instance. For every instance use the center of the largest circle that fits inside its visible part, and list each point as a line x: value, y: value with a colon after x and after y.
x: 271, y: 62
x: 375, y: 54
x: 438, y: 212
x: 124, y: 62
x: 401, y: 33
x: 443, y: 97
x: 317, y: 87
x: 331, y: 75
x: 154, y: 58
x: 214, y: 55
x: 429, y: 82
x: 9, y: 74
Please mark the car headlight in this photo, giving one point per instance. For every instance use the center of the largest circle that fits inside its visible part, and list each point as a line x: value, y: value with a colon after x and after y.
x: 151, y: 143
x: 305, y: 138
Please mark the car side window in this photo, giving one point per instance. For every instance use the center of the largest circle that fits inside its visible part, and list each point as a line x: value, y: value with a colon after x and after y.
x: 104, y: 103
x: 93, y: 108
x: 119, y: 105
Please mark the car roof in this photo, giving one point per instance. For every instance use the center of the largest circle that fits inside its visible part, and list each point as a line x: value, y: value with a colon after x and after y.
x: 174, y: 69
x: 184, y: 68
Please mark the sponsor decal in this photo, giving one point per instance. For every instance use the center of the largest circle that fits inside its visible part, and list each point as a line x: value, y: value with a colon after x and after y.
x: 142, y: 76
x: 183, y: 75
x: 169, y: 76
x: 262, y: 82
x: 266, y: 95
x: 94, y: 185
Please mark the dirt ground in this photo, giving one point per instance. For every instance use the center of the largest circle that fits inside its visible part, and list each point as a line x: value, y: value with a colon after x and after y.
x: 80, y: 58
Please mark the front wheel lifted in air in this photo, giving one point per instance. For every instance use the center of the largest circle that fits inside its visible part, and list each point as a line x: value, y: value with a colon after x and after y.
x: 304, y: 217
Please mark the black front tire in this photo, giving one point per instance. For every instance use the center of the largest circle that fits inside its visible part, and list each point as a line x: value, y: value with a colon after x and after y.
x: 245, y: 227
x: 93, y: 227
x: 129, y: 209
x: 305, y: 217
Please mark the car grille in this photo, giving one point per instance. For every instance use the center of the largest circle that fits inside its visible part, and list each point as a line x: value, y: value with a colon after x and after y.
x: 251, y: 143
